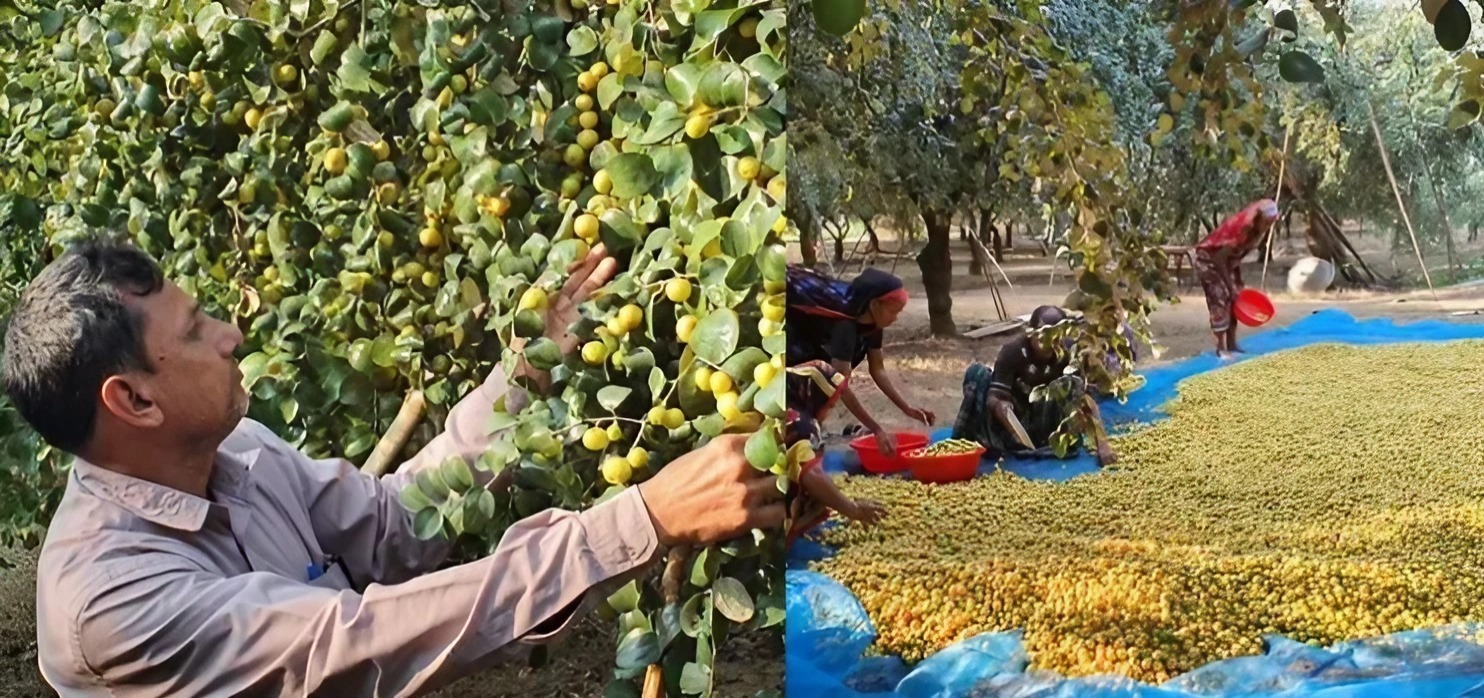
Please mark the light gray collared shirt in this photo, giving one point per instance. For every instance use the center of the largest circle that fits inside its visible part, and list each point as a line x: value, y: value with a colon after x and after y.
x: 143, y: 590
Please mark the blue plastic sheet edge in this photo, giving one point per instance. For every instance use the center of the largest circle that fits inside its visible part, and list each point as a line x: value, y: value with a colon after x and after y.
x: 829, y: 632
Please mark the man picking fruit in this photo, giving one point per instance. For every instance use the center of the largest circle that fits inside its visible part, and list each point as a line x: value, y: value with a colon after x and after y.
x: 195, y: 553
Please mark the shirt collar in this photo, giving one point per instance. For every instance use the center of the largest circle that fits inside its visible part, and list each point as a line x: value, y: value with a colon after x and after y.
x: 163, y: 505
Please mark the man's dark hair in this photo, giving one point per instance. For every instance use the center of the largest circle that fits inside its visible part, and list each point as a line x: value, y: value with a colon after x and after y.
x: 70, y: 331
x: 1046, y: 316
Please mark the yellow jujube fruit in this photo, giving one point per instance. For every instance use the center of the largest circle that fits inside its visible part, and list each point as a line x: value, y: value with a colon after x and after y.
x: 588, y: 138
x: 594, y: 353
x: 588, y: 119
x: 602, y: 182
x: 583, y: 102
x: 335, y: 161
x: 774, y: 312
x: 678, y: 290
x: 697, y: 125
x: 638, y: 457
x: 657, y: 415
x: 685, y: 327
x: 703, y: 379
x: 674, y: 418
x: 252, y: 118
x: 711, y: 249
x: 430, y: 238
x: 631, y: 316
x: 615, y: 432
x: 616, y: 327
x: 720, y: 383
x: 587, y: 82
x: 748, y: 167
x: 533, y: 299
x: 617, y: 470
x: 586, y: 227
x: 382, y: 150
x: 726, y: 406
x: 763, y: 374
x: 595, y: 439
x: 599, y: 69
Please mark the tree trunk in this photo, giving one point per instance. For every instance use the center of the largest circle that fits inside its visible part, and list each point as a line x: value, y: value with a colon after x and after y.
x: 808, y: 239
x: 936, y: 262
x: 1473, y: 232
x: 871, y: 233
x: 999, y: 253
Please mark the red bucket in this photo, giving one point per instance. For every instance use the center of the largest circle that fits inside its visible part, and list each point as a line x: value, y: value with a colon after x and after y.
x: 1253, y: 308
x: 874, y: 462
x: 942, y: 469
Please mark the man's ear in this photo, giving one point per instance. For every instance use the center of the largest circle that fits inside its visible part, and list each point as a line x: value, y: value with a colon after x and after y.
x: 127, y: 399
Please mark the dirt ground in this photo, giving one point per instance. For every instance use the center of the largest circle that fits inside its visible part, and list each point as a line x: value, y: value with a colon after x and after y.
x: 929, y: 371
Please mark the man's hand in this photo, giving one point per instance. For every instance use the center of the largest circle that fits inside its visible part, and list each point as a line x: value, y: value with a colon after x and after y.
x: 584, y: 277
x: 712, y: 495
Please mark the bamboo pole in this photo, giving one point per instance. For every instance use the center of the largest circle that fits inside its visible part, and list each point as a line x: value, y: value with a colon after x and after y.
x: 1277, y: 197
x: 396, y: 436
x: 1386, y: 161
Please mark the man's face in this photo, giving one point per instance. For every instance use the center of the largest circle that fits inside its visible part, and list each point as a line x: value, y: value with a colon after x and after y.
x: 196, y: 384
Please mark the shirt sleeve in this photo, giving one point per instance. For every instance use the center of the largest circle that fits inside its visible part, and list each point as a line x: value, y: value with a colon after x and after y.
x: 361, y: 518
x: 188, y: 632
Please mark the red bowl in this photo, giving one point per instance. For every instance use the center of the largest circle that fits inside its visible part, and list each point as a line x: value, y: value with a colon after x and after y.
x: 874, y: 462
x: 1253, y: 308
x: 940, y: 469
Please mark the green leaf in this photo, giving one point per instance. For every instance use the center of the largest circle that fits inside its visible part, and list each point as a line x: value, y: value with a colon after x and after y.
x: 704, y: 568
x: 681, y: 81
x: 413, y: 499
x: 612, y: 396
x: 838, y: 17
x: 544, y: 354
x: 253, y: 368
x: 1297, y: 66
x: 657, y: 382
x: 487, y: 107
x: 691, y: 614
x: 771, y: 400
x: 633, y: 175
x: 582, y: 41
x: 664, y: 123
x: 427, y: 524
x: 455, y: 472
x: 626, y: 598
x: 695, y: 679
x: 762, y: 449
x: 716, y: 336
x: 732, y: 599
x: 610, y: 88
x: 431, y: 484
x: 1453, y: 26
x: 638, y: 650
x: 723, y: 85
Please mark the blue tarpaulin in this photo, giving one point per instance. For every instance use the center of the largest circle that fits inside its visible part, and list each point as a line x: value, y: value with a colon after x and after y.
x: 829, y: 632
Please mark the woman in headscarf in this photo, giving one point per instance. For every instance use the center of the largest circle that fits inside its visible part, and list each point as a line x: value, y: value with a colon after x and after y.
x: 998, y: 411
x: 813, y: 389
x: 842, y: 323
x: 1218, y: 264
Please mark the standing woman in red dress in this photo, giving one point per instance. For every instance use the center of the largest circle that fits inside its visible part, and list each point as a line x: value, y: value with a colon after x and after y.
x: 1218, y: 263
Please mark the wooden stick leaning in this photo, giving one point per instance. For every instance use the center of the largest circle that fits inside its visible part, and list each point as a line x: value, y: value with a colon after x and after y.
x: 396, y: 436
x: 1277, y: 197
x: 1386, y: 160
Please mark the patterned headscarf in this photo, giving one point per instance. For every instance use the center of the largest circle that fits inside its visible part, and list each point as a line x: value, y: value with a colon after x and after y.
x: 816, y: 294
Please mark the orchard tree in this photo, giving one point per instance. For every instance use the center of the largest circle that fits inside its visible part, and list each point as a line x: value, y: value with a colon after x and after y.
x: 383, y: 194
